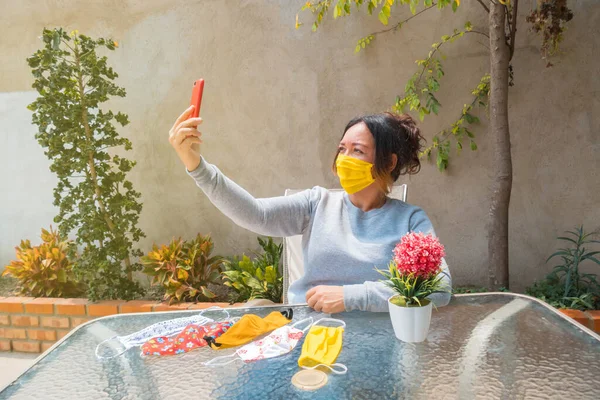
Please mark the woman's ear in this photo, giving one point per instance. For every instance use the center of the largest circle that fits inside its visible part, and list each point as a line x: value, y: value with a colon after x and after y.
x: 393, y: 163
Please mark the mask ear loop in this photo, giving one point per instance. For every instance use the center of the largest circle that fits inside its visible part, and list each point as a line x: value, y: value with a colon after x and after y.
x: 343, y: 369
x: 343, y: 324
x: 212, y: 362
x: 302, y: 321
x: 98, y: 356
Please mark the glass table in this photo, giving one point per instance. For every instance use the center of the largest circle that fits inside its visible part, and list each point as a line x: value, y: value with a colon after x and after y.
x: 480, y: 346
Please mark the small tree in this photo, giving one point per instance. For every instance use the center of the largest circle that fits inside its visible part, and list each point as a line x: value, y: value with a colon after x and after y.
x: 95, y: 199
x: 419, y: 95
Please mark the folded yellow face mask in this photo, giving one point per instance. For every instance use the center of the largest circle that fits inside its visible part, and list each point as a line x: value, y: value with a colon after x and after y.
x: 248, y: 328
x: 322, y: 346
x: 354, y: 174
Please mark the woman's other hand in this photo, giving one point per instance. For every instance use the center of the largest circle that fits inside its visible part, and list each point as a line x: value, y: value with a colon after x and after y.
x: 327, y: 299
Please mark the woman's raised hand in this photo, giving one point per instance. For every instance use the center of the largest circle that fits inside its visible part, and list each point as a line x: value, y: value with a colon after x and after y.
x: 185, y: 139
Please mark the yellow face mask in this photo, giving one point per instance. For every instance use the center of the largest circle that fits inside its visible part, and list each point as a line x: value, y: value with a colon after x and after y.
x: 322, y: 346
x: 354, y: 174
x: 248, y: 328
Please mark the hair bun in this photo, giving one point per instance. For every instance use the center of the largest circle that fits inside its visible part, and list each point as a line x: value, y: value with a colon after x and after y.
x: 410, y: 138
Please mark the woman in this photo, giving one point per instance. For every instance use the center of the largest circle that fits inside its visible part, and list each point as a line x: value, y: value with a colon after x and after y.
x: 345, y: 234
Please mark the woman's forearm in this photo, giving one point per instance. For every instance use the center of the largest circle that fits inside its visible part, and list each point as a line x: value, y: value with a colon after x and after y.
x: 276, y: 216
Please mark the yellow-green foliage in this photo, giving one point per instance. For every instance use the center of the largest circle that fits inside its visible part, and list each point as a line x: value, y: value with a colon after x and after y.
x: 45, y: 270
x: 184, y: 269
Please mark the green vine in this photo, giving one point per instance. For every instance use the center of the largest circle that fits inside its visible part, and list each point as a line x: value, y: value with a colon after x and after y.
x: 419, y: 96
x: 95, y: 200
x: 458, y: 130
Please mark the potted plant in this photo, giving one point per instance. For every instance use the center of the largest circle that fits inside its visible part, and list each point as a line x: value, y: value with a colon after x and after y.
x: 414, y: 273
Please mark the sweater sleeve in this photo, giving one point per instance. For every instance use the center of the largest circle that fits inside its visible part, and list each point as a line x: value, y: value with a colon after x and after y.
x: 275, y: 216
x: 373, y: 296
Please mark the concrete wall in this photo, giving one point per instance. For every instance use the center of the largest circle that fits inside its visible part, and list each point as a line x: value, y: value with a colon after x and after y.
x: 277, y: 99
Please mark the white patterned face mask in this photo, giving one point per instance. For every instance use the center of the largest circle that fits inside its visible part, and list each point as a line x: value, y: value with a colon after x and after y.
x: 279, y: 342
x: 163, y: 328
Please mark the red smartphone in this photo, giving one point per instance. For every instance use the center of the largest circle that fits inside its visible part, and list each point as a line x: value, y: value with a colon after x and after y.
x: 197, y: 97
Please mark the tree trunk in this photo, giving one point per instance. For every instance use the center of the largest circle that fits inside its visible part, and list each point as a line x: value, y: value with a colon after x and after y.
x: 502, y: 169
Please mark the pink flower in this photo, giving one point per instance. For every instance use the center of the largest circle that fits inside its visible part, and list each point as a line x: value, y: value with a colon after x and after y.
x: 419, y: 254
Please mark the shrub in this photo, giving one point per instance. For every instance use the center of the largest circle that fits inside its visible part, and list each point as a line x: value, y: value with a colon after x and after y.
x: 258, y: 279
x: 566, y: 286
x: 184, y: 269
x: 45, y: 270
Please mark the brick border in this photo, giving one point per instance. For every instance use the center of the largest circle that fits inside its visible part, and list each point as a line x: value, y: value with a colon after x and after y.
x: 590, y: 319
x: 33, y: 325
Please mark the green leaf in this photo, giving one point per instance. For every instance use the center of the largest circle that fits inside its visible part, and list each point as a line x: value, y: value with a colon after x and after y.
x: 62, y: 276
x: 413, y: 7
x: 246, y: 264
x: 473, y: 146
x: 441, y: 161
x: 558, y: 253
x: 471, y: 118
x: 337, y: 10
x: 594, y: 259
x: 259, y: 274
x: 252, y: 282
x: 180, y: 291
x: 213, y: 276
x: 207, y: 293
x: 55, y: 40
x: 384, y: 14
x: 270, y: 274
x: 182, y: 274
x: 567, y: 239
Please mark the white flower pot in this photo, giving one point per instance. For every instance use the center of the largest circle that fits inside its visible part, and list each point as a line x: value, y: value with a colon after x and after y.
x: 411, y: 324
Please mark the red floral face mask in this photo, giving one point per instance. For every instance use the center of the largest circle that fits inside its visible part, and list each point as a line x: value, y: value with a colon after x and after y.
x: 187, y: 340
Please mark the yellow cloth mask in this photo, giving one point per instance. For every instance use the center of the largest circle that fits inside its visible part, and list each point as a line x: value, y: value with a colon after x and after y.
x: 248, y: 328
x: 322, y: 346
x: 354, y: 174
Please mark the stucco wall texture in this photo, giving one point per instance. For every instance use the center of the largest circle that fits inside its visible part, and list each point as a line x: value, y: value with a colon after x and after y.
x: 275, y: 104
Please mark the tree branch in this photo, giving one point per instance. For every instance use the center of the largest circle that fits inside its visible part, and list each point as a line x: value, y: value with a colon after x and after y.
x: 487, y: 10
x: 399, y: 24
x: 425, y: 65
x: 67, y: 44
x: 481, y: 33
x: 445, y: 134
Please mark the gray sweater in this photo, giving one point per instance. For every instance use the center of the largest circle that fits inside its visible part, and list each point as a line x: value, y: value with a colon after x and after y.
x: 342, y: 244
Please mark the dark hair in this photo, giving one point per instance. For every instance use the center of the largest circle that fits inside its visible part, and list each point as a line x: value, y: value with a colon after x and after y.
x: 393, y: 134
